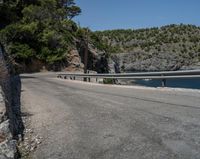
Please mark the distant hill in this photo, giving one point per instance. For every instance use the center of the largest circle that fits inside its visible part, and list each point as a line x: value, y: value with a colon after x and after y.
x: 177, y: 43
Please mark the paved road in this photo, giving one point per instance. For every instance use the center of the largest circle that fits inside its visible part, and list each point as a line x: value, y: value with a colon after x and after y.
x: 85, y: 121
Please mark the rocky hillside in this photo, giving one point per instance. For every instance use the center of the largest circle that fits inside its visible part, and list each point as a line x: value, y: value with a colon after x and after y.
x: 41, y: 35
x: 170, y: 47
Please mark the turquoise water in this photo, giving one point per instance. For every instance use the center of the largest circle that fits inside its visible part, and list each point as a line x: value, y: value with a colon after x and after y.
x: 175, y: 83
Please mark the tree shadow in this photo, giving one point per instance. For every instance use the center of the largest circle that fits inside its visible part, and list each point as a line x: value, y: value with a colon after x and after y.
x: 16, y: 105
x: 26, y: 114
x: 26, y: 77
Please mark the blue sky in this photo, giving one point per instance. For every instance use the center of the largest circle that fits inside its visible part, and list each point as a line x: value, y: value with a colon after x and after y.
x: 123, y: 14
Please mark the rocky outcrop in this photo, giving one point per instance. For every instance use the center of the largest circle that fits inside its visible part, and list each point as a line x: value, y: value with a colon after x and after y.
x: 191, y: 67
x: 97, y: 60
x: 8, y: 146
x: 142, y: 61
x: 74, y: 61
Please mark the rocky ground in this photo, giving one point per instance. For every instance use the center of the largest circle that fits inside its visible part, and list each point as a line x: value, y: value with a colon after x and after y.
x: 13, y: 149
x: 30, y: 141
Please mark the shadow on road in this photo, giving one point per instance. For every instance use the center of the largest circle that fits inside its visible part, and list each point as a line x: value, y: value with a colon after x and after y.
x: 16, y: 103
x: 26, y: 77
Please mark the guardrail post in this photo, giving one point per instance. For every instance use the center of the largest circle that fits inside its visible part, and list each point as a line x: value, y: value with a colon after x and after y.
x: 163, y: 82
x: 74, y: 78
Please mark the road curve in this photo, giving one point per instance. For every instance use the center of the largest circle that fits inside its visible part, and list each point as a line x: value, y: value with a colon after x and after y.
x: 86, y: 121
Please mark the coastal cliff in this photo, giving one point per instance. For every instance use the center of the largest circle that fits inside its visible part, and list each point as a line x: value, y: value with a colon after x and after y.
x: 162, y: 61
x: 168, y: 48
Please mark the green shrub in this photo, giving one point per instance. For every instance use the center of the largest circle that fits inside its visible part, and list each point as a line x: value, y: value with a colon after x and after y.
x: 108, y: 81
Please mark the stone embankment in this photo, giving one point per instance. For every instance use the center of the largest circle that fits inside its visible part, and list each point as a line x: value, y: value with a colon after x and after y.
x: 11, y: 125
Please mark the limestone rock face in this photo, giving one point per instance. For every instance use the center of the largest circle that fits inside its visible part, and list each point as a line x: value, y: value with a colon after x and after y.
x: 141, y: 61
x: 97, y: 60
x: 75, y: 63
x: 100, y: 62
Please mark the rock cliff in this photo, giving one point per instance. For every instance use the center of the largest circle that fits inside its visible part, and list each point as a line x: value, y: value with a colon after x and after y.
x: 162, y: 61
x: 97, y: 60
x: 170, y: 47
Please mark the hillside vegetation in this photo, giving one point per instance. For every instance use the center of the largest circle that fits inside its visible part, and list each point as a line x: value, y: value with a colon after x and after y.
x: 41, y: 30
x: 171, y: 47
x: 42, y: 33
x: 183, y: 40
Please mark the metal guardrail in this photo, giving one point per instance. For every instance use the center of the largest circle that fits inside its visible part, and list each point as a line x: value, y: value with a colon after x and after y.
x: 163, y: 76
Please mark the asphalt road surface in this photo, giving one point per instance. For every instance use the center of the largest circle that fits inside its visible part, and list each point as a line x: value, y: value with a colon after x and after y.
x: 90, y: 121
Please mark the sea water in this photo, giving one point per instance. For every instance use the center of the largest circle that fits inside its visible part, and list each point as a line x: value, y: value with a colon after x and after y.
x: 175, y: 83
